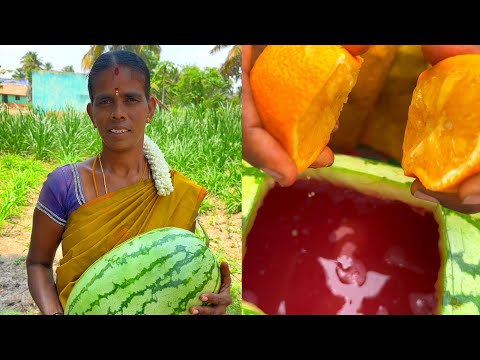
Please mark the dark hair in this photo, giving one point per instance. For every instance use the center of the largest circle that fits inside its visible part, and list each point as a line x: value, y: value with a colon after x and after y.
x: 119, y: 57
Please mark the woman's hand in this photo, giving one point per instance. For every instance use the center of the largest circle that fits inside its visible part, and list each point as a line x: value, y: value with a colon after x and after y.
x: 467, y: 198
x: 436, y: 53
x: 217, y: 302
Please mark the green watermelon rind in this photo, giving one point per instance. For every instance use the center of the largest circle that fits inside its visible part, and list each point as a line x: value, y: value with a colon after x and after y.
x: 170, y: 253
x: 460, y: 249
x: 369, y: 177
x: 254, y: 184
x: 251, y: 309
x: 459, y: 234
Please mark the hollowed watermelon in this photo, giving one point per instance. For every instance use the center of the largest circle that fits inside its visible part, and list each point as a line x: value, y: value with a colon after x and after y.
x: 351, y: 239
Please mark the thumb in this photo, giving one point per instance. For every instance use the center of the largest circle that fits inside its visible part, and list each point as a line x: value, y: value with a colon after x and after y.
x: 356, y: 49
x: 436, y: 53
x: 261, y: 150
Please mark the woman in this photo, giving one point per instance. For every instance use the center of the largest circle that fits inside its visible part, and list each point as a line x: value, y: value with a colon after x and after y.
x: 127, y: 189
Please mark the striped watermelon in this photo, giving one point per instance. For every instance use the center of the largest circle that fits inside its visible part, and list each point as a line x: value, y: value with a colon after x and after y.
x: 459, y: 234
x: 162, y: 271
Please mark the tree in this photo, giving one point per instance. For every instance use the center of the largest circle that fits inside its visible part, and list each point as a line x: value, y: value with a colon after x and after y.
x: 48, y: 66
x: 165, y: 75
x: 144, y: 51
x: 68, y: 68
x: 30, y: 62
x: 19, y: 74
x: 4, y: 71
x: 197, y: 86
x: 231, y: 68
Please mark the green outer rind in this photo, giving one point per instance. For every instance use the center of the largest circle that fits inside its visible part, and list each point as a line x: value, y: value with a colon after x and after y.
x: 459, y: 234
x: 254, y: 185
x: 250, y: 309
x: 369, y: 177
x: 162, y: 271
x: 460, y: 249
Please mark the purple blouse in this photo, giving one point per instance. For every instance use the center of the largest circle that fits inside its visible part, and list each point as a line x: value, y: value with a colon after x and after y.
x: 62, y: 193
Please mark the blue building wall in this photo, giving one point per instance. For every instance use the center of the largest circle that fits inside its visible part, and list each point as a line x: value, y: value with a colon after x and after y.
x: 53, y: 90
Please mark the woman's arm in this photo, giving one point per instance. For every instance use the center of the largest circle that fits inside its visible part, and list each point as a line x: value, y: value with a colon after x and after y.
x: 45, y: 239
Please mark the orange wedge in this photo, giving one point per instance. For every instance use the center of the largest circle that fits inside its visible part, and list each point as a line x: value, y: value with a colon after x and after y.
x: 385, y: 124
x: 299, y: 91
x: 441, y: 146
x: 375, y: 68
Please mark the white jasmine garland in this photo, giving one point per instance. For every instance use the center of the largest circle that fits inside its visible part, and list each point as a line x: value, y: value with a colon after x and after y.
x: 159, y: 166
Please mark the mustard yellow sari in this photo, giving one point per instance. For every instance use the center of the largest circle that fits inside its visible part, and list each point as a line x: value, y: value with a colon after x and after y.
x: 100, y: 224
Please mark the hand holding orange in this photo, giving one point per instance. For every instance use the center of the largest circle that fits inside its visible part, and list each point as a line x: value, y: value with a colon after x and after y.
x: 442, y: 138
x: 299, y: 91
x: 446, y: 161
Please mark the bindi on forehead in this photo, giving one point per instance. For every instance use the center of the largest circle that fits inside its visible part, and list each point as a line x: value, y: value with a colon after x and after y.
x: 133, y: 74
x: 112, y: 79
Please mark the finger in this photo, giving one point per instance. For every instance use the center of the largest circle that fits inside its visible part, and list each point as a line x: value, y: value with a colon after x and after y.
x: 469, y: 190
x: 435, y: 53
x: 246, y: 59
x: 256, y: 51
x: 356, y: 49
x: 225, y: 271
x: 208, y: 310
x: 448, y: 200
x: 325, y: 158
x: 223, y: 298
x: 201, y: 310
x: 259, y: 148
x: 336, y: 126
x: 250, y: 53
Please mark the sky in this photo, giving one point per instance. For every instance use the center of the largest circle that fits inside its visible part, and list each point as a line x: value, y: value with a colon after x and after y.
x: 62, y: 55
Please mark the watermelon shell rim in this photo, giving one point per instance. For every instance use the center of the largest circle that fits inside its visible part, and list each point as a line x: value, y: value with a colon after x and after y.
x: 459, y: 274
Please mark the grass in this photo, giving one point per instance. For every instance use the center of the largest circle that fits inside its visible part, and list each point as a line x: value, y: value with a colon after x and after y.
x: 18, y: 177
x: 206, y: 205
x: 14, y: 312
x: 20, y: 260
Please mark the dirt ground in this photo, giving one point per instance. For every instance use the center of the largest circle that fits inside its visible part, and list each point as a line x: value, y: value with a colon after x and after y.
x: 224, y: 232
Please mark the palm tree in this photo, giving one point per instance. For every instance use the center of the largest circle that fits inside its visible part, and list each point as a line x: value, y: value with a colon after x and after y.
x: 18, y: 74
x: 232, y: 65
x: 4, y: 71
x: 164, y: 75
x: 97, y: 50
x: 48, y: 66
x: 30, y: 62
x: 68, y: 68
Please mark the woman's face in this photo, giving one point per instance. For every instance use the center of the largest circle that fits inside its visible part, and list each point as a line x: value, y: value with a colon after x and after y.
x: 119, y: 108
